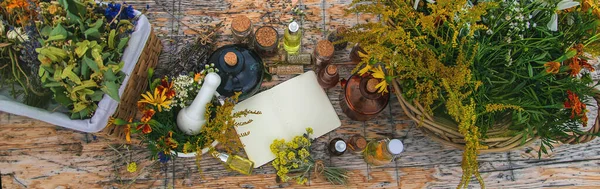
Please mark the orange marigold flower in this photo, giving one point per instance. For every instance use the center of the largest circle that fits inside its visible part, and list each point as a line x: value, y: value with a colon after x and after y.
x: 575, y: 66
x: 147, y: 115
x: 128, y: 131
x: 141, y: 106
x: 552, y: 67
x: 145, y: 128
x: 167, y: 87
x: 198, y: 77
x: 587, y: 65
x: 577, y: 107
x: 172, y: 143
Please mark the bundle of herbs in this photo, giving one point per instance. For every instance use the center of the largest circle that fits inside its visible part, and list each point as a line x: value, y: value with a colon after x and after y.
x: 18, y: 59
x: 517, y: 66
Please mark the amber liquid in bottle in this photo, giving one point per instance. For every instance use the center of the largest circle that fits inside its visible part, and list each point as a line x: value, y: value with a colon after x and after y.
x: 236, y: 163
x: 359, y: 98
x: 328, y: 77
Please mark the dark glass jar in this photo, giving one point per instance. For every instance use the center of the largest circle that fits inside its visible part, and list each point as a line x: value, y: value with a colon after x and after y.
x: 266, y: 41
x: 359, y: 98
x: 336, y: 36
x: 328, y: 77
x: 354, y: 56
x: 241, y: 70
x: 357, y: 143
x: 337, y: 147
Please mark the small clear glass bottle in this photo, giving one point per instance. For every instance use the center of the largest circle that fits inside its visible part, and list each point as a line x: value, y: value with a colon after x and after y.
x: 236, y: 163
x: 292, y: 38
x: 241, y: 27
x: 382, y: 152
x: 328, y: 77
x: 323, y: 53
x: 299, y: 58
x: 266, y: 41
x: 287, y: 69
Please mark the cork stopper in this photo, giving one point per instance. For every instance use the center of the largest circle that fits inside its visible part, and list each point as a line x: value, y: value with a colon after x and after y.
x: 241, y: 23
x: 231, y: 59
x: 324, y: 48
x: 371, y: 85
x: 331, y: 69
x: 361, y: 143
x: 266, y: 36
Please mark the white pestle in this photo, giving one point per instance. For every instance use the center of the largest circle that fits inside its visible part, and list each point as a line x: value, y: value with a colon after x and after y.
x: 191, y: 119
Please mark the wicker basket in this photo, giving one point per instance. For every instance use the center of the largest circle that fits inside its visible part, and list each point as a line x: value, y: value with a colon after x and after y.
x: 446, y: 132
x: 137, y: 84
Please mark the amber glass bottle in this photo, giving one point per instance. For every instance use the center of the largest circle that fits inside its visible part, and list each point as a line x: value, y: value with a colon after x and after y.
x: 359, y: 98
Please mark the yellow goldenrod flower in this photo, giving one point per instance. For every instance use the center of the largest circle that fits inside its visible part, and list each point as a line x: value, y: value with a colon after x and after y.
x: 309, y: 130
x: 158, y: 99
x: 132, y: 167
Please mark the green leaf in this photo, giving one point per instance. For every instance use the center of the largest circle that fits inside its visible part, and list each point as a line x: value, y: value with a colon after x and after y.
x: 111, y: 39
x: 85, y: 71
x: 59, y: 30
x: 122, y: 43
x: 46, y: 30
x: 91, y: 63
x: 52, y: 84
x: 61, y: 97
x: 110, y: 76
x: 112, y: 90
x: 97, y: 24
x: 56, y: 37
x: 119, y: 122
x: 92, y: 33
x: 530, y: 70
x: 97, y: 96
x: 82, y: 48
x: 79, y: 106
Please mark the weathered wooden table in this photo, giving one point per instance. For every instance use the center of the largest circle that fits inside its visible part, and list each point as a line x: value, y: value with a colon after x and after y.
x: 35, y: 154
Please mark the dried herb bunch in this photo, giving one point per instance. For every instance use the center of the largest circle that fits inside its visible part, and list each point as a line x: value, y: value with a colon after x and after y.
x: 517, y: 66
x: 159, y: 107
x: 294, y: 162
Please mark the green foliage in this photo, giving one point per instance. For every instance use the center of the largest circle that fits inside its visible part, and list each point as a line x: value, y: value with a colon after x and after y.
x: 81, y: 56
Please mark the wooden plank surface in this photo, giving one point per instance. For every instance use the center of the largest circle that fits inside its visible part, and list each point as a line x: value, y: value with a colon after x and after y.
x: 35, y: 154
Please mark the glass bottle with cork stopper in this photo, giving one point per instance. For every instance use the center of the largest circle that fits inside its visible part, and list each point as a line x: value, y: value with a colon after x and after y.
x: 240, y: 69
x: 323, y: 53
x: 357, y: 143
x: 236, y: 163
x: 337, y: 147
x: 354, y: 53
x: 382, y: 152
x: 360, y: 100
x: 241, y: 27
x: 328, y: 77
x: 292, y: 38
x: 286, y: 69
x: 266, y: 41
x: 336, y: 38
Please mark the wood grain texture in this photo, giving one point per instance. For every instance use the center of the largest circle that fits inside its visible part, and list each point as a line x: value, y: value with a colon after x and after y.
x: 35, y: 154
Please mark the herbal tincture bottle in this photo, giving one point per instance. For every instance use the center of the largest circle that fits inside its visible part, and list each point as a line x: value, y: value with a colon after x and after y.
x: 354, y: 56
x: 357, y: 143
x: 323, y: 53
x: 265, y: 41
x: 337, y: 147
x: 292, y: 38
x: 336, y: 36
x: 383, y: 151
x: 360, y: 100
x: 328, y: 77
x: 241, y: 27
x: 287, y: 69
x: 237, y: 163
x: 303, y: 58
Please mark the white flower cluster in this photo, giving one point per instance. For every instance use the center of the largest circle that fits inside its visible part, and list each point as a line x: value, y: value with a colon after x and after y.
x: 519, y: 21
x: 181, y: 85
x: 209, y: 68
x: 17, y: 34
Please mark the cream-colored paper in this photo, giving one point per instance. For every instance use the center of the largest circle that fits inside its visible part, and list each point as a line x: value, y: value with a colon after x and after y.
x: 287, y: 110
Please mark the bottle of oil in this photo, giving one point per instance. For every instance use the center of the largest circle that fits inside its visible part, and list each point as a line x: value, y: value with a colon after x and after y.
x: 382, y: 152
x: 292, y: 38
x: 237, y: 163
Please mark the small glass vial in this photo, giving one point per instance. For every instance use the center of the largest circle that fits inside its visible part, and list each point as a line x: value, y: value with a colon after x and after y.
x: 266, y: 41
x: 382, y: 152
x: 335, y: 37
x: 292, y: 38
x: 357, y: 143
x: 337, y: 147
x: 303, y: 58
x: 241, y: 27
x: 236, y: 163
x: 323, y: 53
x: 328, y: 77
x: 354, y: 56
x: 287, y: 69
